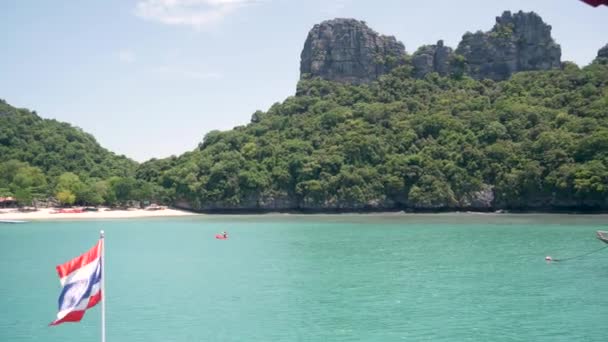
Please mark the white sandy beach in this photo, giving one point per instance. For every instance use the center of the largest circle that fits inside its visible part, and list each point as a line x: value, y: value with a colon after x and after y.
x: 47, y: 214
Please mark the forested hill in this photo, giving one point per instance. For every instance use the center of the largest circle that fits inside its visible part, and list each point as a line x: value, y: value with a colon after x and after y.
x: 498, y: 123
x: 536, y: 141
x: 56, y: 147
x: 42, y: 159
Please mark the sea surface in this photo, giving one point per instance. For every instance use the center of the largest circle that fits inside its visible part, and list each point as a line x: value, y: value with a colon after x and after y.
x: 394, y: 277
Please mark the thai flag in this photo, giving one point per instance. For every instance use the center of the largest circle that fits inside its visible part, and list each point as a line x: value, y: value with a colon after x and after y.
x: 81, y: 282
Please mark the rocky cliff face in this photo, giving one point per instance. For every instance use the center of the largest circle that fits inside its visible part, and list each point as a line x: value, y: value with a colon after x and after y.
x: 603, y: 53
x: 432, y: 58
x: 482, y: 200
x: 518, y: 42
x: 346, y: 50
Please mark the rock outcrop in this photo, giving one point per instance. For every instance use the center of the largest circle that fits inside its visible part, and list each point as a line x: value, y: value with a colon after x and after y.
x: 347, y: 50
x: 432, y: 58
x: 479, y: 200
x: 518, y: 42
x: 603, y: 53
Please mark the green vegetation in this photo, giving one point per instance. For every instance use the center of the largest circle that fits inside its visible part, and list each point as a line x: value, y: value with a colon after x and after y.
x: 504, y: 31
x: 538, y: 140
x: 42, y: 159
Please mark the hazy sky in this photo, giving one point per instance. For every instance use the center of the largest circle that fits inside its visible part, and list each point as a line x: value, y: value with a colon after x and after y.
x: 148, y: 78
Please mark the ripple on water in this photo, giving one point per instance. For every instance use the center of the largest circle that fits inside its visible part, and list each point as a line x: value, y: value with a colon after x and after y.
x: 301, y: 278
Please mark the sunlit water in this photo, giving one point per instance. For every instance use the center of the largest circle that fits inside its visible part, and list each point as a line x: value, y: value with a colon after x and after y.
x: 450, y: 277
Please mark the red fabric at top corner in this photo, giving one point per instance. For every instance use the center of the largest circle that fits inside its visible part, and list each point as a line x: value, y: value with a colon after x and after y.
x: 596, y: 3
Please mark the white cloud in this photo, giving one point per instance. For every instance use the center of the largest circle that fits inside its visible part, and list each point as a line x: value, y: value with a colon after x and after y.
x: 193, y: 13
x: 126, y: 56
x: 186, y: 73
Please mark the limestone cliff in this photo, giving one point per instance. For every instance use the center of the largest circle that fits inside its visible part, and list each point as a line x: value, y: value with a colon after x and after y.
x: 433, y: 58
x: 518, y: 42
x: 603, y: 53
x: 347, y: 50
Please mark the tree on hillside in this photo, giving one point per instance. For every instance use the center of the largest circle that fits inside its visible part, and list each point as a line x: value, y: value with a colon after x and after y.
x: 66, y: 197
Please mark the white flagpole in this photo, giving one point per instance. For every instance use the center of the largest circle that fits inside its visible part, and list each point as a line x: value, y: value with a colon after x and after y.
x: 103, y: 287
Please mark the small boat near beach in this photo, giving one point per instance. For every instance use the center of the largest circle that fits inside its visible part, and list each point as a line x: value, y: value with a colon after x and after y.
x: 602, y: 235
x: 12, y: 221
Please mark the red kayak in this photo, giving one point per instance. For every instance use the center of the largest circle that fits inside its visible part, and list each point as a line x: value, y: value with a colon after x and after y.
x: 221, y: 237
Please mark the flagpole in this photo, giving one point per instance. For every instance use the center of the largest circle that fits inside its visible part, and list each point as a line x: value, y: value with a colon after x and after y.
x: 103, y: 287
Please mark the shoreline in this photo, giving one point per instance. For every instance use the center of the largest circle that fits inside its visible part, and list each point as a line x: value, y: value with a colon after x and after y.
x: 46, y: 214
x: 367, y: 211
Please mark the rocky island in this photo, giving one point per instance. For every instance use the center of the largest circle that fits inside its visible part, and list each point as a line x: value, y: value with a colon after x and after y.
x: 498, y: 123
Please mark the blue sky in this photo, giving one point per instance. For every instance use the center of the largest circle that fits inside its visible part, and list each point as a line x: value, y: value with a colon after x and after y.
x: 148, y: 78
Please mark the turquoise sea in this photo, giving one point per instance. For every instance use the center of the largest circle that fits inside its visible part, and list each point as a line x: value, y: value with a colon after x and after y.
x: 445, y: 277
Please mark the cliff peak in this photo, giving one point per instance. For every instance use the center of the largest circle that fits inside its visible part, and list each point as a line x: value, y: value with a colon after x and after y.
x: 517, y: 42
x: 347, y: 50
x: 603, y: 52
x: 432, y: 58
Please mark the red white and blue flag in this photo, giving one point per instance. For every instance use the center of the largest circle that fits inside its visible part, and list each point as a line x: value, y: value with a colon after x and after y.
x: 81, y: 285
